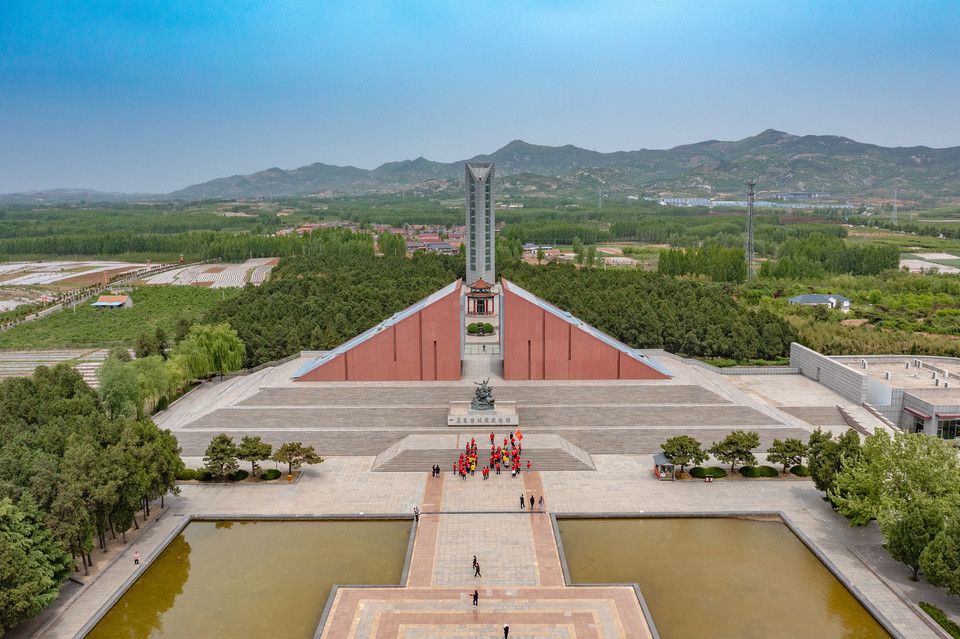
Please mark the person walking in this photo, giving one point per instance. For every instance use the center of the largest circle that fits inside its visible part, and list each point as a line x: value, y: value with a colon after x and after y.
x: 474, y: 561
x: 531, y: 502
x: 416, y: 512
x: 476, y: 569
x: 522, y: 501
x: 476, y: 595
x: 136, y: 558
x: 506, y: 631
x: 541, y: 503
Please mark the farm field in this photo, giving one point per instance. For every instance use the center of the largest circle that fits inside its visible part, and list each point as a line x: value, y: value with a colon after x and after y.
x: 254, y: 271
x: 906, y: 242
x: 85, y: 326
x: 22, y: 363
x: 943, y: 262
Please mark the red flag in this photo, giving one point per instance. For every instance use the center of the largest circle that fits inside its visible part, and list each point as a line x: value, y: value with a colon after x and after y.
x: 519, y: 435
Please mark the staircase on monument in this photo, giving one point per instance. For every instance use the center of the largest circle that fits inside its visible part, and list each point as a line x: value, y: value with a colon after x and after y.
x: 419, y: 453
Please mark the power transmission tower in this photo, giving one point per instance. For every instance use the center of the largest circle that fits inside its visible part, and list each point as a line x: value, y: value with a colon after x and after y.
x: 748, y: 239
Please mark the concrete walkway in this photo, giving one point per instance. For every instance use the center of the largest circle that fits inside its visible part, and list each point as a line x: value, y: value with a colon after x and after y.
x: 522, y: 581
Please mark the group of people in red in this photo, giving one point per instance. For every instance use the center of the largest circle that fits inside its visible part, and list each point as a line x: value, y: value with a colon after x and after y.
x: 501, y: 457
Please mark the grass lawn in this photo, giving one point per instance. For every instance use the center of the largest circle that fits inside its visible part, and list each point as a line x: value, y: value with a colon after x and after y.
x: 153, y: 306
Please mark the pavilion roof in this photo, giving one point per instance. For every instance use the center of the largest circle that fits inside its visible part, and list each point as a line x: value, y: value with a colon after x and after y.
x: 480, y: 284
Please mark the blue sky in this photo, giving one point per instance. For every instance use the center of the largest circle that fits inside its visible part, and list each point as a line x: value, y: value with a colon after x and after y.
x: 155, y: 95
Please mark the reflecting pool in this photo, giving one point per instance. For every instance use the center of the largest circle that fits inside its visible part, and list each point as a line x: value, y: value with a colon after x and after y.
x: 254, y: 578
x: 718, y: 577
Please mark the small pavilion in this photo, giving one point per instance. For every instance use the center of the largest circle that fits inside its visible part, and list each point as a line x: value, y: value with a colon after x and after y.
x: 480, y: 298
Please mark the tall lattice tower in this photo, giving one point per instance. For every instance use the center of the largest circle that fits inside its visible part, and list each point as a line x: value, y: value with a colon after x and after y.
x: 748, y: 238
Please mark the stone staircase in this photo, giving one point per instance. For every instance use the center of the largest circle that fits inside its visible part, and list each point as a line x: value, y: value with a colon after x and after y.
x: 645, y: 441
x: 419, y: 454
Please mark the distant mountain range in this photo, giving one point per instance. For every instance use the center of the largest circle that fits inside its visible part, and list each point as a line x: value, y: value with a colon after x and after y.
x: 778, y: 161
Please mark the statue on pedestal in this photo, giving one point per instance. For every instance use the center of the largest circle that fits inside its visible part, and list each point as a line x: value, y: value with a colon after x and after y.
x: 483, y: 397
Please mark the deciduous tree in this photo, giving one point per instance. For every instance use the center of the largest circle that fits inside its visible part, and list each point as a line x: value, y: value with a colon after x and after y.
x: 940, y: 560
x: 894, y: 471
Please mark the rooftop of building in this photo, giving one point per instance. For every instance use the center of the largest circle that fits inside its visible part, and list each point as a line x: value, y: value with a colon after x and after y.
x: 902, y: 371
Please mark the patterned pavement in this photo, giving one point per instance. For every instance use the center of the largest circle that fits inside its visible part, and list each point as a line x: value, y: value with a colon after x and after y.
x: 521, y: 582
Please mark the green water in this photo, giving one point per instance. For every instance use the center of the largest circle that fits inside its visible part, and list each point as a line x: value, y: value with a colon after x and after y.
x: 254, y: 578
x: 718, y: 577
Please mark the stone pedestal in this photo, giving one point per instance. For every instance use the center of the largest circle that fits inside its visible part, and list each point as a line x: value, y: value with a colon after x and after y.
x: 502, y: 414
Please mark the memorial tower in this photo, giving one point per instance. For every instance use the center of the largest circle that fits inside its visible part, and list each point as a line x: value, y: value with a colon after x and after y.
x: 480, y: 224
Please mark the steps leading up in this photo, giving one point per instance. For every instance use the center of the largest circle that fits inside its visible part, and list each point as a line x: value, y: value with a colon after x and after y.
x: 421, y: 460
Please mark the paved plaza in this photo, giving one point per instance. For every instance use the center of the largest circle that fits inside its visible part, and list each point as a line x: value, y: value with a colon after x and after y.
x: 461, y: 518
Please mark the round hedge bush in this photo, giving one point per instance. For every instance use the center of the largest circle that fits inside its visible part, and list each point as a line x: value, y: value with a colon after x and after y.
x: 767, y: 471
x: 271, y: 474
x: 698, y: 472
x: 238, y: 475
x: 488, y: 328
x: 187, y: 474
x: 204, y: 475
x: 749, y: 471
x: 472, y: 328
x: 800, y: 470
x: 717, y: 472
x: 163, y: 403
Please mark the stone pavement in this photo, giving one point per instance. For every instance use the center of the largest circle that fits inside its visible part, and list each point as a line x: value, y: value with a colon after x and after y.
x: 616, y: 423
x: 521, y: 581
x: 453, y: 529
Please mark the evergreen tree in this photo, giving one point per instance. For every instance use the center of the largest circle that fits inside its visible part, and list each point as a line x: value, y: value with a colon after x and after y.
x: 684, y: 450
x: 221, y: 455
x: 788, y: 452
x: 295, y: 454
x: 33, y: 564
x: 737, y: 447
x: 253, y: 449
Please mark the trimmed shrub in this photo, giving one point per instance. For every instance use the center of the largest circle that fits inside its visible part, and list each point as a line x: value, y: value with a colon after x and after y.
x: 472, y: 328
x: 941, y: 618
x: 187, y: 474
x: 488, y: 328
x: 698, y: 472
x: 204, y: 475
x: 800, y: 470
x: 749, y: 471
x: 271, y: 474
x: 768, y: 471
x: 717, y: 472
x: 238, y: 475
x: 163, y: 403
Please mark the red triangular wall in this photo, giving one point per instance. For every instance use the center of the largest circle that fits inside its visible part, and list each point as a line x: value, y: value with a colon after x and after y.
x: 423, y: 346
x: 539, y: 345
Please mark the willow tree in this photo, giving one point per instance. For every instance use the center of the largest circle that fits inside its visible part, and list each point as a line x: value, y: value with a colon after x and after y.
x: 212, y: 349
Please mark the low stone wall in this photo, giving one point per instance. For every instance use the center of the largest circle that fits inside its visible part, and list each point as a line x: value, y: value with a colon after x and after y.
x: 725, y: 370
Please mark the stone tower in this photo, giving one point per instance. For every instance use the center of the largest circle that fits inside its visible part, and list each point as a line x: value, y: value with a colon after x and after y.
x: 480, y: 224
